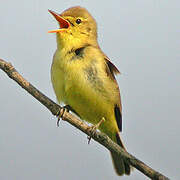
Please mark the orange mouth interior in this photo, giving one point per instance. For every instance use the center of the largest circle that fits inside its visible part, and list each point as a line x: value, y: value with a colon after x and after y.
x: 63, y: 23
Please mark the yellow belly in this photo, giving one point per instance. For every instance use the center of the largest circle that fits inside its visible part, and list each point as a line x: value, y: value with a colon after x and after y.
x: 57, y: 78
x: 89, y: 104
x: 71, y: 87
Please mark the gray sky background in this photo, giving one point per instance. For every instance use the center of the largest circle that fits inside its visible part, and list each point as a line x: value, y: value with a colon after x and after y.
x: 143, y: 39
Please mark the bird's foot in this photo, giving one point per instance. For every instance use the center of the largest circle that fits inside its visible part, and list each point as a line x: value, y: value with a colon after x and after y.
x: 61, y: 112
x: 93, y: 129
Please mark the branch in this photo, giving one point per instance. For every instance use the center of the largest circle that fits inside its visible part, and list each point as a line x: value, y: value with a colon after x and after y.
x: 97, y: 136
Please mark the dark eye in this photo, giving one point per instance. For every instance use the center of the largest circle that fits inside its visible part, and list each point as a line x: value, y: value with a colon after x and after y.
x: 78, y: 21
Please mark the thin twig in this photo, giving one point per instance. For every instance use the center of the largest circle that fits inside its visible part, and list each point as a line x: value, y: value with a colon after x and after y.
x: 97, y: 136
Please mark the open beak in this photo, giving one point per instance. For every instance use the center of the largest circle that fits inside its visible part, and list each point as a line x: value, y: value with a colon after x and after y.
x: 64, y: 24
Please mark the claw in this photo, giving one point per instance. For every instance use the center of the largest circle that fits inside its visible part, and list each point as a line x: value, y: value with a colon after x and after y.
x: 58, y: 121
x: 93, y: 129
x: 89, y: 139
x: 61, y: 113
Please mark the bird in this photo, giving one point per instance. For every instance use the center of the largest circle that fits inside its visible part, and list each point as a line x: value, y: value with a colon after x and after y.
x: 83, y: 77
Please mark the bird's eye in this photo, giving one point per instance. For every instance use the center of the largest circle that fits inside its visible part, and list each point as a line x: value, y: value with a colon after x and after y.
x: 78, y: 21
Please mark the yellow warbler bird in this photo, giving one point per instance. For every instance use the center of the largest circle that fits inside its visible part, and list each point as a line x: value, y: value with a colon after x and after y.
x: 84, y: 78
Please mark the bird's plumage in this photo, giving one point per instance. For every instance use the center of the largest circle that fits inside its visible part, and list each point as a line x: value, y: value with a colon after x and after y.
x: 84, y: 78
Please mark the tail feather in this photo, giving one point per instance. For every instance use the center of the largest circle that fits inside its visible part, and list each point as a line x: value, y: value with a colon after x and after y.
x: 121, y: 166
x: 118, y: 164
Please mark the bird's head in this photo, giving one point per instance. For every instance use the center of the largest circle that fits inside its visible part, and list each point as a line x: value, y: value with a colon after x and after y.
x: 77, y: 27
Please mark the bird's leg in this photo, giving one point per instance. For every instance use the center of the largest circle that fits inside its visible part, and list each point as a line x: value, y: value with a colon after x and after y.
x: 65, y: 108
x: 93, y: 129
